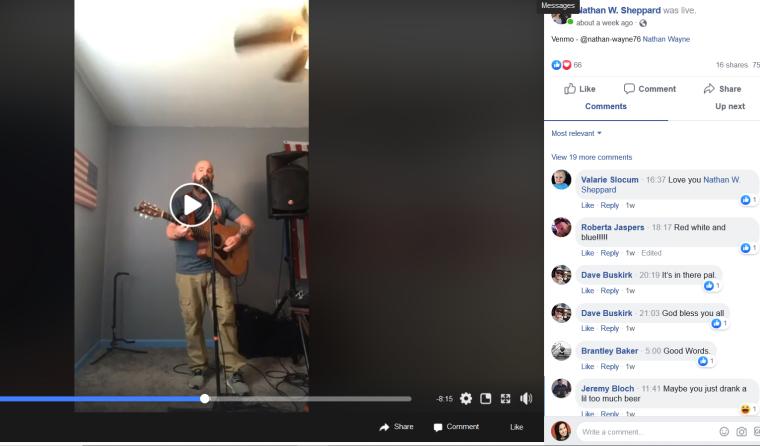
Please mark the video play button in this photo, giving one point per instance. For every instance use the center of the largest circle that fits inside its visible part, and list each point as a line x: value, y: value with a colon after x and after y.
x: 186, y: 204
x: 191, y: 204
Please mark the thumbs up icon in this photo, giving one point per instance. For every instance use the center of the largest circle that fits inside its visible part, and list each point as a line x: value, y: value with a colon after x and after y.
x: 570, y: 89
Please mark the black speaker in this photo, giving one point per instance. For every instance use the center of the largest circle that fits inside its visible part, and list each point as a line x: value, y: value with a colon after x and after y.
x: 288, y: 184
x: 261, y: 334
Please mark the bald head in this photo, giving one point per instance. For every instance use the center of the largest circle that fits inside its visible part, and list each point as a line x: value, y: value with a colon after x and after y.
x: 203, y: 168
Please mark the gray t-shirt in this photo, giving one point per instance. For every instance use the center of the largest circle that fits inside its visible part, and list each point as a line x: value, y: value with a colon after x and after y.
x: 188, y: 261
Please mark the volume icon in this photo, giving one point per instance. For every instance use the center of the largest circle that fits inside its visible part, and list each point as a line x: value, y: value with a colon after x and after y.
x: 526, y: 398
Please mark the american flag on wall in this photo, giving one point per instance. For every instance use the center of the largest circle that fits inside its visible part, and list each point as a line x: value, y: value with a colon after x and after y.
x: 299, y: 232
x: 85, y: 181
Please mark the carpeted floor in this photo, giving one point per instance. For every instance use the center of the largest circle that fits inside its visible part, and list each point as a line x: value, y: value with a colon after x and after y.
x: 123, y: 373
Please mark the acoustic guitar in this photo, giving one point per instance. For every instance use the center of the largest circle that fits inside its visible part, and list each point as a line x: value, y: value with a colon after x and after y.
x: 229, y: 264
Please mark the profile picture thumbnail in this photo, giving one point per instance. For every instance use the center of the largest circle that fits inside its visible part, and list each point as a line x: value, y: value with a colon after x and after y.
x: 561, y: 179
x: 561, y: 350
x: 561, y: 388
x: 561, y: 274
x: 561, y: 313
x: 561, y: 227
x: 561, y: 18
x: 560, y: 431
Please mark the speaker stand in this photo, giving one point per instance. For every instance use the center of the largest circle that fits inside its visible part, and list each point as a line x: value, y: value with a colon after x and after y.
x: 292, y: 291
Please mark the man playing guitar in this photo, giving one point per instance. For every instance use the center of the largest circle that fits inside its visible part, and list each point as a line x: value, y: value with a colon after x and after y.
x: 193, y: 280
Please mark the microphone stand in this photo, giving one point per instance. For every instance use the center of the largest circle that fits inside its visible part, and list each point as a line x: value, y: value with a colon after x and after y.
x: 215, y: 407
x: 215, y: 315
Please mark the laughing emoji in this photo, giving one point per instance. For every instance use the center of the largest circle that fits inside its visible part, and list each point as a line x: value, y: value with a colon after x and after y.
x: 745, y: 409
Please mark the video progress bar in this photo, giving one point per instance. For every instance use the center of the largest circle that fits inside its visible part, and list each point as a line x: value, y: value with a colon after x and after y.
x: 101, y: 399
x: 204, y: 399
x: 310, y: 399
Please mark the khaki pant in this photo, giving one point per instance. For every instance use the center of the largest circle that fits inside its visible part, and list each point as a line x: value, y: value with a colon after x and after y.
x: 194, y: 298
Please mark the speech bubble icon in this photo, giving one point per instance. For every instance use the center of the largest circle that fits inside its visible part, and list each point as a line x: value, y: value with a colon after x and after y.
x: 629, y: 88
x: 437, y: 427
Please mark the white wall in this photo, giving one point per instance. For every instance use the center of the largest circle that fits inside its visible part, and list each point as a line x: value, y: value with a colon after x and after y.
x: 91, y: 131
x: 148, y: 163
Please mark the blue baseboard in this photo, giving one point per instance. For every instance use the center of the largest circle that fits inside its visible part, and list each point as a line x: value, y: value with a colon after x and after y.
x: 100, y: 346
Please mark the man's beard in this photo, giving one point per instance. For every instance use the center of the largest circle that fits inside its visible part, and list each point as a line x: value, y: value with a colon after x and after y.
x: 207, y: 182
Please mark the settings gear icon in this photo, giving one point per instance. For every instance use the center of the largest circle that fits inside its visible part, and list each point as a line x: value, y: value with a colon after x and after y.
x: 465, y: 398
